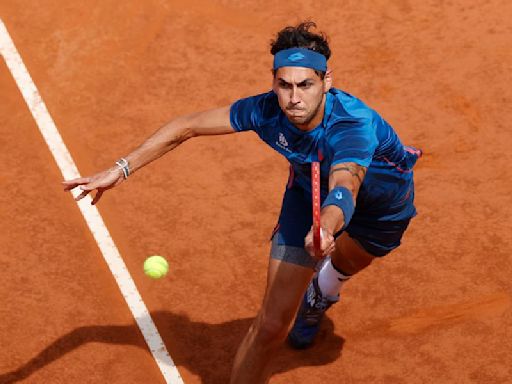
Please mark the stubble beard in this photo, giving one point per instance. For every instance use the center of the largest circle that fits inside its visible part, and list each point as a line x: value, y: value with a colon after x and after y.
x: 307, y: 119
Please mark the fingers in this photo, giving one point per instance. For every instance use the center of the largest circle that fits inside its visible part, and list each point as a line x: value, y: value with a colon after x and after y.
x: 327, y: 243
x: 308, y: 243
x: 329, y: 249
x: 82, y: 195
x: 70, y: 184
x: 97, y: 197
x: 101, y: 182
x: 86, y: 190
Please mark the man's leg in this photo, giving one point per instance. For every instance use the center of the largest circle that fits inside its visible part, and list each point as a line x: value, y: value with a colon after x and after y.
x: 349, y: 256
x: 286, y: 283
x: 347, y: 259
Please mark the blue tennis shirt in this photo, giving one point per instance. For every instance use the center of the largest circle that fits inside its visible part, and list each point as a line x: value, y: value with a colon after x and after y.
x: 350, y: 132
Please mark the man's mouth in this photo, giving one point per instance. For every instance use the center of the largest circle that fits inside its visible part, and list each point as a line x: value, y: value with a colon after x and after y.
x: 295, y: 111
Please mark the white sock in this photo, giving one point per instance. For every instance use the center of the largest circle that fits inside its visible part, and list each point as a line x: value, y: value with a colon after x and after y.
x: 330, y: 280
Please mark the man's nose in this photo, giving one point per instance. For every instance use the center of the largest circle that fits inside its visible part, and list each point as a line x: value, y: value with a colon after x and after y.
x: 294, y: 97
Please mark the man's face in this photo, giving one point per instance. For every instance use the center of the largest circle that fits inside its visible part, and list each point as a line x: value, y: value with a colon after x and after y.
x: 300, y: 92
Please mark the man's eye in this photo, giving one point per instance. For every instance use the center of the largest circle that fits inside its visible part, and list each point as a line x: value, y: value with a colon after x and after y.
x: 305, y: 85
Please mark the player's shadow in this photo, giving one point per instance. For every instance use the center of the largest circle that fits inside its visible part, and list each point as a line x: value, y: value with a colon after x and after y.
x: 205, y: 349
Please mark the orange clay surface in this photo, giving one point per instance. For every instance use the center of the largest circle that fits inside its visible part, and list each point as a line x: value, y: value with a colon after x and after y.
x: 437, y: 310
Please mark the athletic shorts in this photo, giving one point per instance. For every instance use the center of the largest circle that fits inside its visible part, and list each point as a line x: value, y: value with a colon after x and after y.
x: 295, y: 220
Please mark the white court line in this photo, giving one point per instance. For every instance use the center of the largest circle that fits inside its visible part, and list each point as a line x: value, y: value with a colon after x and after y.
x: 92, y: 216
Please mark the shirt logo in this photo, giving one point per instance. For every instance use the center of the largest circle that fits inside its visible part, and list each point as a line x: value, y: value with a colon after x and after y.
x: 338, y: 195
x: 282, y: 140
x: 296, y: 56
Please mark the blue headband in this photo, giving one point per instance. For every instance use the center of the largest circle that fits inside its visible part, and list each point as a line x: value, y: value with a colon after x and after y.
x: 300, y: 57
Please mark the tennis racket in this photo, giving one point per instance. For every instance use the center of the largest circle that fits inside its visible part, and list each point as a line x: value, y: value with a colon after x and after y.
x: 315, y: 194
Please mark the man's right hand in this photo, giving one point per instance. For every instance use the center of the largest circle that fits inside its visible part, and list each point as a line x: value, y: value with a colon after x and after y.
x: 101, y: 182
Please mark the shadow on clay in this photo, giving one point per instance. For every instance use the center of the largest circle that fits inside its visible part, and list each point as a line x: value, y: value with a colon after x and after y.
x: 207, y: 350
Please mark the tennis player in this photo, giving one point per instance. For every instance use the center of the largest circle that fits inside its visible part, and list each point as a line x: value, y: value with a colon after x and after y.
x: 367, y: 189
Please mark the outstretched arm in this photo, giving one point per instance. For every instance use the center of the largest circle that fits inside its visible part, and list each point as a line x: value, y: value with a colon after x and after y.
x: 177, y: 131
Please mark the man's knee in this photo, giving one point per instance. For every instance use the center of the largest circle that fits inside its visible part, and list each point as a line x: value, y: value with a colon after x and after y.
x: 271, y: 329
x: 350, y: 256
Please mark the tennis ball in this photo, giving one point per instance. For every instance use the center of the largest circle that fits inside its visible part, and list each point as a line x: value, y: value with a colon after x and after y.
x: 156, y: 267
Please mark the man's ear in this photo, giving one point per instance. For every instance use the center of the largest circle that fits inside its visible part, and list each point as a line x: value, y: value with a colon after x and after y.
x: 327, y: 80
x: 273, y: 71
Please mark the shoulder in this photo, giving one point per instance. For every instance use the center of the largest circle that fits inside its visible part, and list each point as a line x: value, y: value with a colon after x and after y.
x: 351, y: 129
x: 264, y: 103
x: 347, y: 108
x: 250, y: 113
x: 348, y: 116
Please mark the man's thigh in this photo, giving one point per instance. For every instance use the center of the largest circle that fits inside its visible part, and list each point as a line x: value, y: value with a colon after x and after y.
x: 294, y: 223
x: 378, y: 238
x: 362, y: 242
x: 349, y: 255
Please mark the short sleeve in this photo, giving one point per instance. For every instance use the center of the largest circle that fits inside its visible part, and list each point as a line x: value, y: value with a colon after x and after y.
x: 353, y: 141
x: 251, y: 113
x: 242, y: 114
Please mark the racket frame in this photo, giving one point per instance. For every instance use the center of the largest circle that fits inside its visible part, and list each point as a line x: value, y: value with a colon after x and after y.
x: 315, y: 195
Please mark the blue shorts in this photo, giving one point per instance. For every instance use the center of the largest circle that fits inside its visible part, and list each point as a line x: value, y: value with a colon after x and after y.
x: 375, y: 236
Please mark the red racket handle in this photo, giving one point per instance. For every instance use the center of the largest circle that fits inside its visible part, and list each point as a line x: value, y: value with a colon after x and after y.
x: 315, y: 194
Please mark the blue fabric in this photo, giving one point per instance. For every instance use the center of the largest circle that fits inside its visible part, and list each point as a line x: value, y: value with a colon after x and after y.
x: 300, y: 57
x: 350, y: 132
x: 342, y: 198
x: 295, y: 220
x: 377, y: 237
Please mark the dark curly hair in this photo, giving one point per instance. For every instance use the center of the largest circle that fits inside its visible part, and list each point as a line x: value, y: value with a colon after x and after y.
x: 301, y: 37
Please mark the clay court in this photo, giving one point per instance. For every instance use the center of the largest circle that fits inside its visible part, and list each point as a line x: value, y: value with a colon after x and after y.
x: 437, y: 310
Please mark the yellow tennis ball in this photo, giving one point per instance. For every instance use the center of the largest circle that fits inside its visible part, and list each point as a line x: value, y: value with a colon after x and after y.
x: 156, y: 267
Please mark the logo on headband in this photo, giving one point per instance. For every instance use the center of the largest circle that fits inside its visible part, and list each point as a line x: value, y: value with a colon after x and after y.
x: 296, y: 56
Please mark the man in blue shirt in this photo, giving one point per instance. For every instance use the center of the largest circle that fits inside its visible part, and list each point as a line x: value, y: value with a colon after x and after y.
x: 367, y: 189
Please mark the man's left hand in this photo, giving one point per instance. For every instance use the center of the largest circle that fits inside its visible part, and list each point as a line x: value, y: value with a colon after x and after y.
x: 326, y: 243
